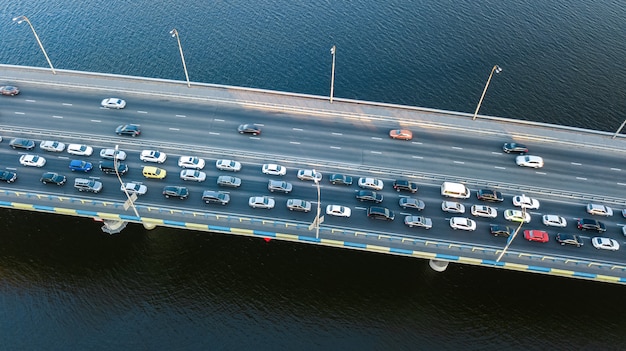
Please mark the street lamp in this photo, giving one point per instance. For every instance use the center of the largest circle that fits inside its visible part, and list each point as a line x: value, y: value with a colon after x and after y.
x: 332, y: 74
x: 19, y: 20
x: 174, y: 34
x: 496, y: 69
x: 512, y: 237
x: 318, y: 220
x: 131, y: 199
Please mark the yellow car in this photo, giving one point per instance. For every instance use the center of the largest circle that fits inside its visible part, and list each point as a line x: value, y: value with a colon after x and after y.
x: 154, y: 172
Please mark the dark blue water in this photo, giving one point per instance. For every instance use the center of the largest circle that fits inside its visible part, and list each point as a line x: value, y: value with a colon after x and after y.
x: 66, y: 285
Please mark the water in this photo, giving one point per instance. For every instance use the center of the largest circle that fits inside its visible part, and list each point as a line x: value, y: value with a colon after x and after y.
x: 66, y: 285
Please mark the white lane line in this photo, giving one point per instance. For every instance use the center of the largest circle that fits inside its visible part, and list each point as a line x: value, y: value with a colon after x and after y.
x: 257, y: 138
x: 64, y: 157
x: 376, y: 152
x: 174, y: 128
x: 96, y: 120
x: 459, y: 162
x: 621, y: 183
x: 12, y: 168
x: 218, y: 120
x: 19, y: 113
x: 616, y: 169
x: 57, y: 116
x: 496, y: 153
x: 416, y: 143
x: 335, y: 147
x: 28, y: 100
x: 581, y: 178
x: 142, y: 111
x: 377, y: 138
x: 576, y: 163
x: 297, y: 129
x: 499, y: 167
x: 337, y: 133
x: 181, y: 116
x: 419, y: 157
x: 457, y: 148
x: 294, y: 142
x: 360, y: 208
x: 214, y: 133
x: 67, y: 104
x: 544, y: 173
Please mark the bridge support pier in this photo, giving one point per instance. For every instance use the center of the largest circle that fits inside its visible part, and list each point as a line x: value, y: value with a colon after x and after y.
x: 149, y: 226
x: 113, y: 226
x: 438, y: 266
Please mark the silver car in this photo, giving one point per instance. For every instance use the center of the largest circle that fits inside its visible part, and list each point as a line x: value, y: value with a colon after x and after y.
x: 418, y: 221
x: 298, y: 205
x: 280, y: 186
x: 229, y: 181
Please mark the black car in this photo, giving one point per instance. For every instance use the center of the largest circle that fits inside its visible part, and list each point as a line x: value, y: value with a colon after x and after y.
x: 128, y: 129
x: 108, y: 167
x: 249, y: 129
x: 53, y: 178
x: 216, y: 197
x: 500, y: 230
x: 515, y: 148
x: 7, y: 176
x: 21, y: 143
x: 591, y: 224
x: 489, y: 195
x: 380, y: 213
x: 180, y: 192
x: 569, y: 239
x: 405, y: 185
x: 340, y: 179
x: 369, y: 195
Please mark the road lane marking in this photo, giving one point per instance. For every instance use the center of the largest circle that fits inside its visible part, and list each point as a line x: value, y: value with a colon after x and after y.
x: 218, y: 120
x: 294, y: 142
x: 96, y: 120
x: 337, y: 133
x: 67, y: 104
x: 174, y: 128
x: 544, y: 173
x: 142, y: 112
x: 214, y: 133
x: 459, y: 162
x: 335, y: 147
x: 576, y: 164
x: 297, y: 129
x: 616, y: 169
x: 181, y: 116
x: 457, y: 148
x: 376, y: 152
x: 581, y: 178
x: 499, y: 167
x: 29, y: 100
x: 496, y: 153
x: 12, y: 168
x: 377, y: 138
x: 419, y: 157
x: 621, y: 183
x: 19, y: 113
x: 360, y: 208
x: 57, y: 116
x: 416, y: 143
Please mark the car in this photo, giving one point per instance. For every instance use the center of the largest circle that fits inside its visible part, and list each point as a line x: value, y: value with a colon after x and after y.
x: 605, y: 243
x: 192, y: 162
x: 569, y: 239
x: 80, y: 165
x: 536, y: 235
x: 377, y: 212
x: 452, y: 207
x: 180, y: 192
x: 229, y: 181
x: 113, y: 103
x: 215, y: 197
x: 554, y: 221
x: 7, y: 176
x: 84, y: 184
x: 298, y: 205
x: 624, y: 213
x: 21, y: 143
x: 280, y: 186
x: 128, y: 129
x: 108, y: 167
x: 489, y: 195
x: 409, y: 202
x: 418, y: 221
x: 249, y: 129
x: 517, y: 216
x: 53, y: 178
x: 134, y: 188
x: 79, y: 150
x: 369, y: 195
x: 9, y: 90
x: 529, y: 161
x: 228, y: 165
x: 338, y: 211
x: 192, y: 174
x: 153, y: 156
x: 111, y: 154
x: 32, y: 161
x: 599, y: 210
x: 590, y: 224
x: 340, y: 179
x: 462, y: 223
x: 261, y: 202
x: 515, y: 148
x: 484, y: 211
x: 309, y: 174
x: 152, y: 172
x: 526, y: 202
x: 52, y: 146
x: 402, y: 134
x: 500, y: 230
x: 371, y: 183
x: 405, y: 185
x: 273, y: 169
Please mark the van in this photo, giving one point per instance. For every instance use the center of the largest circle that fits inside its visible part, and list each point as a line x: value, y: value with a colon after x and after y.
x: 84, y: 184
x: 108, y: 167
x: 455, y: 190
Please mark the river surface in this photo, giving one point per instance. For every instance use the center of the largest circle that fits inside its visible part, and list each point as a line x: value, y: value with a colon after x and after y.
x: 65, y: 285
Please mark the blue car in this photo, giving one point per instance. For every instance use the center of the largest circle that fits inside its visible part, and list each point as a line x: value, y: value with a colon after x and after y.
x: 78, y: 165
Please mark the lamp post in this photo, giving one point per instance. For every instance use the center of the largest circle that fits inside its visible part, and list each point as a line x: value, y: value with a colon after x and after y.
x: 131, y: 199
x: 332, y: 74
x: 496, y: 69
x: 512, y: 237
x: 318, y: 220
x: 19, y: 20
x: 174, y: 34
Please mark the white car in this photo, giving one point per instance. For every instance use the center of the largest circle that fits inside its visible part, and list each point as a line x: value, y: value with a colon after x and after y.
x: 462, y: 223
x: 484, y: 211
x: 554, y: 221
x: 599, y: 210
x: 338, y: 210
x: 113, y: 103
x: 192, y: 174
x: 516, y: 216
x: 274, y: 169
x: 134, y: 188
x: 452, y: 207
x: 261, y: 202
x: 80, y: 150
x: 605, y: 243
x: 153, y: 156
x: 190, y: 162
x: 529, y: 161
x: 526, y: 202
x: 371, y: 183
x: 418, y: 221
x: 32, y: 161
x: 309, y: 174
x: 111, y: 154
x: 228, y: 165
x: 52, y: 146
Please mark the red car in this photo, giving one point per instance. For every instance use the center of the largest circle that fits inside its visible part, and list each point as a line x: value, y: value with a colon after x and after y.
x: 9, y: 90
x: 402, y: 134
x: 536, y: 235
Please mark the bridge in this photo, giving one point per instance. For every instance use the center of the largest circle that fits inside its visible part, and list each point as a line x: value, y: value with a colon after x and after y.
x: 309, y: 132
